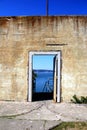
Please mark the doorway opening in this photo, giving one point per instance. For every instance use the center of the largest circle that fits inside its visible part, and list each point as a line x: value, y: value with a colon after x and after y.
x: 44, y: 76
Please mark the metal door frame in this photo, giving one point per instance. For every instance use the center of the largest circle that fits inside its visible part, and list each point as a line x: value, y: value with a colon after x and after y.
x: 58, y: 53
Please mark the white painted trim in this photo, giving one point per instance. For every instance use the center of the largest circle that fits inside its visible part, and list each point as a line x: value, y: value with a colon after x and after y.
x: 59, y: 78
x: 30, y: 71
x: 44, y: 53
x: 30, y: 78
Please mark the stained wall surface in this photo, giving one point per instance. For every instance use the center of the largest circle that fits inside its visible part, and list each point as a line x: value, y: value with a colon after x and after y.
x: 20, y: 35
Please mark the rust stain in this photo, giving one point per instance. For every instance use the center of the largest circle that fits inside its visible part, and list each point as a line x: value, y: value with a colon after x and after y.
x: 39, y: 21
x: 3, y: 23
x: 33, y: 21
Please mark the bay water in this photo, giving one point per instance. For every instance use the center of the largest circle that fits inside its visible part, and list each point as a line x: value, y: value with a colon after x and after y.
x: 43, y: 76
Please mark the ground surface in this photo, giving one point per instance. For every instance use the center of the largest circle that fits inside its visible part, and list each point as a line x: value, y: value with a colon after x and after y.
x: 42, y: 115
x: 71, y: 126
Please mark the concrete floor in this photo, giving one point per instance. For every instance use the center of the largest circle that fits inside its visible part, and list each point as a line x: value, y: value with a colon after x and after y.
x: 41, y: 115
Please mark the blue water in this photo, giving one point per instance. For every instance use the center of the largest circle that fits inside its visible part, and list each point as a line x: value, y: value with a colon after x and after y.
x: 42, y: 78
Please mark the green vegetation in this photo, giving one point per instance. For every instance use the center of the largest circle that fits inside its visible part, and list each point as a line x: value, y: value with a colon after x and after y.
x: 34, y: 75
x: 71, y: 126
x: 82, y: 100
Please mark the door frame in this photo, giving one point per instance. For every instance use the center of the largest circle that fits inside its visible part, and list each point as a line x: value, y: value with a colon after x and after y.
x: 58, y: 53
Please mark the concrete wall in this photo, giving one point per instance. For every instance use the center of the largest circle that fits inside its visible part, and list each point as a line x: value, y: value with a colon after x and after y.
x: 19, y: 35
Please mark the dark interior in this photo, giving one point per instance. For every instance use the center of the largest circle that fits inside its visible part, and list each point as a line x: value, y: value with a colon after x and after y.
x: 40, y: 96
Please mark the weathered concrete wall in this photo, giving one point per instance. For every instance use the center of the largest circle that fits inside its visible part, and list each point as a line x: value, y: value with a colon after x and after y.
x: 19, y: 35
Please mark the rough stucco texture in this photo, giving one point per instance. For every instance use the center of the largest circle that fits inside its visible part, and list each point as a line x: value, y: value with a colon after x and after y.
x: 19, y: 35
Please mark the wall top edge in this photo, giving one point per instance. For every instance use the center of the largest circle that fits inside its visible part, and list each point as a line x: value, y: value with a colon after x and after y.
x: 61, y: 16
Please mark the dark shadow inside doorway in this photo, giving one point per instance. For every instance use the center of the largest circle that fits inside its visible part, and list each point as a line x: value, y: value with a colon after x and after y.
x: 40, y: 96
